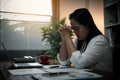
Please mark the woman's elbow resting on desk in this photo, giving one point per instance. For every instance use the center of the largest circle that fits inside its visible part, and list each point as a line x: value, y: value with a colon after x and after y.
x: 74, y: 59
x: 66, y: 62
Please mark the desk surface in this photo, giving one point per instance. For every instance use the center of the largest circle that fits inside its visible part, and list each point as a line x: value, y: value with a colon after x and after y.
x: 7, y: 76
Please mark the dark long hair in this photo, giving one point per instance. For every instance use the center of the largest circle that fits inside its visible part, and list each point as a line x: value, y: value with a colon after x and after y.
x: 83, y: 17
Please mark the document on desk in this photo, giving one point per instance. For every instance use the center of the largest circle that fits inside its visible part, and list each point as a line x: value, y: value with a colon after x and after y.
x: 26, y: 71
x: 55, y: 66
x: 57, y: 74
x: 68, y: 74
x: 53, y: 70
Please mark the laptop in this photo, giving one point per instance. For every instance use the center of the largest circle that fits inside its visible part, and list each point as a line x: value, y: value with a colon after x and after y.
x: 21, y: 63
x: 27, y: 65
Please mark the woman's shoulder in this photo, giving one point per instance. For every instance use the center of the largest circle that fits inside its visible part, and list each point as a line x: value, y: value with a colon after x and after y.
x: 99, y: 38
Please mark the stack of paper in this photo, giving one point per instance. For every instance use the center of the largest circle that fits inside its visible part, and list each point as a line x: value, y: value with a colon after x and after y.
x: 26, y: 71
x: 58, y: 73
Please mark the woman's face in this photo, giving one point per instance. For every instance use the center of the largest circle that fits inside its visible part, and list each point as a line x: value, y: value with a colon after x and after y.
x: 80, y: 30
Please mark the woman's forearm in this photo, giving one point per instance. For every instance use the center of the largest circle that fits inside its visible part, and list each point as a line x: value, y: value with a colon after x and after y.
x: 69, y: 46
x: 63, y: 53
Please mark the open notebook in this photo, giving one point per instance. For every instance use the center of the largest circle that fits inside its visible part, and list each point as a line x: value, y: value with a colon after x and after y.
x: 21, y: 64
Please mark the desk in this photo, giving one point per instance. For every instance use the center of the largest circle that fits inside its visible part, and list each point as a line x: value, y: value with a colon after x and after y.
x: 7, y: 76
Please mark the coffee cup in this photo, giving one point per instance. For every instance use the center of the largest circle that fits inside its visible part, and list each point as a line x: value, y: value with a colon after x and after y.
x: 44, y: 59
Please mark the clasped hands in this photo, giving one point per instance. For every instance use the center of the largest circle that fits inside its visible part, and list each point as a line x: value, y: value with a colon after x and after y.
x: 65, y: 31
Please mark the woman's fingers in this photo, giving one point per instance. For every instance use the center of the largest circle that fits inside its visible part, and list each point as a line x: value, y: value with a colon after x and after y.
x: 65, y: 28
x: 65, y: 31
x: 61, y: 28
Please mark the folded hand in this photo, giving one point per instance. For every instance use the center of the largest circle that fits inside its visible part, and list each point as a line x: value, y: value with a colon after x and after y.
x: 65, y: 31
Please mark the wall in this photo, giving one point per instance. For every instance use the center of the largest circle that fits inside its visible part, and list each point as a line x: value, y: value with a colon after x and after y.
x: 96, y: 9
x: 67, y: 6
x: 94, y: 6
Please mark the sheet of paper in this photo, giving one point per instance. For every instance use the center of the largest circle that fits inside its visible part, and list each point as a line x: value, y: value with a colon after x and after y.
x: 26, y: 71
x: 53, y: 70
x: 51, y: 66
x: 77, y: 75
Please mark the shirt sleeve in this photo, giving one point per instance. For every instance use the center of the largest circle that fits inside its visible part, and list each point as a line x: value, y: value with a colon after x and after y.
x: 64, y: 63
x: 93, y: 54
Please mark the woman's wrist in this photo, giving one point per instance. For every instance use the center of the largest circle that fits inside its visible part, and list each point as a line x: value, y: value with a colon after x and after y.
x: 66, y: 38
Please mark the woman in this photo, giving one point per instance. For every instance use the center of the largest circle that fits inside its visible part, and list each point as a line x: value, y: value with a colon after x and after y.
x: 90, y: 50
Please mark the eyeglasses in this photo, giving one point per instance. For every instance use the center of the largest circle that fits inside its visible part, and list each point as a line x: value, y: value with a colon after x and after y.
x: 77, y: 28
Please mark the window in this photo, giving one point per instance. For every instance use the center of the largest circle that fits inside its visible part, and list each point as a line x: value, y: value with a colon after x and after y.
x: 28, y: 10
x: 21, y: 21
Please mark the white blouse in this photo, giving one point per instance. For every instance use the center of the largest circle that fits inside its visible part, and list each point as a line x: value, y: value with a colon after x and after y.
x: 98, y: 55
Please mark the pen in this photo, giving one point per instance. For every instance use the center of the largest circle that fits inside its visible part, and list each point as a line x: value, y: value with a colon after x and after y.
x: 58, y: 73
x: 54, y: 66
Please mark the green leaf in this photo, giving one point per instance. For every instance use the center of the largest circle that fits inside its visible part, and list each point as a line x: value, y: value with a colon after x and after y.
x: 52, y: 36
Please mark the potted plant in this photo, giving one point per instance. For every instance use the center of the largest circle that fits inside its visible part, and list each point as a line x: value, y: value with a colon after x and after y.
x: 52, y: 36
